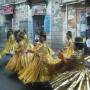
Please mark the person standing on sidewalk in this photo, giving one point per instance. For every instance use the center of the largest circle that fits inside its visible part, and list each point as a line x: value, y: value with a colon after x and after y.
x: 87, y: 46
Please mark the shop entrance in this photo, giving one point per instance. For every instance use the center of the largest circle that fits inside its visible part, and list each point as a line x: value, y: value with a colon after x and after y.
x: 38, y: 24
x: 8, y: 21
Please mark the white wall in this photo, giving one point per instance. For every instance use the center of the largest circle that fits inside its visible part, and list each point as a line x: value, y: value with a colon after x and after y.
x: 2, y: 19
x: 57, y: 32
x: 49, y: 13
x: 21, y: 14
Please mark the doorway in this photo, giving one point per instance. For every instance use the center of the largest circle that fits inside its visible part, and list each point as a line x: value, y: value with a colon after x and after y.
x: 38, y: 24
x: 8, y: 21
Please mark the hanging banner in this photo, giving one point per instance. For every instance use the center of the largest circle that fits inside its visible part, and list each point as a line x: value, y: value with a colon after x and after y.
x: 47, y: 24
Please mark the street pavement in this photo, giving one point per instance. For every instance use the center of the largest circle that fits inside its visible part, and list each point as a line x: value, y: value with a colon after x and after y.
x: 10, y: 81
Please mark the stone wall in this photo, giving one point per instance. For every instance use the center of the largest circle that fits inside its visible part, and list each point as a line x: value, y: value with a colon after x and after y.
x: 57, y: 32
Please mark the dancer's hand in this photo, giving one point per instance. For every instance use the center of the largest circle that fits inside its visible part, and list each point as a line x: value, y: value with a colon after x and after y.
x: 66, y: 59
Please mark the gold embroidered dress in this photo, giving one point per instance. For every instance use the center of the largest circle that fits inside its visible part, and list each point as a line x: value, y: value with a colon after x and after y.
x: 39, y: 69
x: 20, y: 59
x: 10, y: 46
x: 68, y: 52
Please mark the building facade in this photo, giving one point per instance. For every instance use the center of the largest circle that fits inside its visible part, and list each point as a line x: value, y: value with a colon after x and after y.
x: 74, y: 15
x: 17, y: 14
x: 56, y: 17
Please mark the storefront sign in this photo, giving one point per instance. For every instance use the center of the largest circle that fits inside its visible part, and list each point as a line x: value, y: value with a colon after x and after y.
x: 39, y: 10
x: 8, y: 9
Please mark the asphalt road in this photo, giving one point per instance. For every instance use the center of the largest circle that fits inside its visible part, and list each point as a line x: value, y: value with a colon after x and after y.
x: 9, y: 81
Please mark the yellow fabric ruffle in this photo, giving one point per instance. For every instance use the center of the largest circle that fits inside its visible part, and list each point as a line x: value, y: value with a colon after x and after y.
x: 10, y: 46
x: 20, y: 59
x: 39, y: 70
x: 69, y: 51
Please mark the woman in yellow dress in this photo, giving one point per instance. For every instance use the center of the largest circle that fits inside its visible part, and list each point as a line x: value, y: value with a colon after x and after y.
x: 20, y: 58
x: 42, y: 65
x: 10, y: 45
x: 69, y: 49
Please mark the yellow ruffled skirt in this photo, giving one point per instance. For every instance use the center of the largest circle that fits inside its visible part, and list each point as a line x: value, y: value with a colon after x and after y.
x: 68, y: 52
x: 36, y: 71
x: 19, y: 61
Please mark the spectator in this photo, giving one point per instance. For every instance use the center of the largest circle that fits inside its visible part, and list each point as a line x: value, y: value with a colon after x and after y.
x: 87, y: 46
